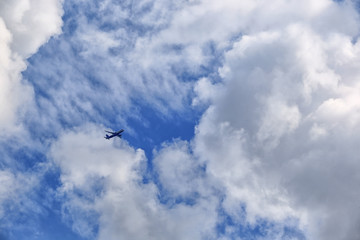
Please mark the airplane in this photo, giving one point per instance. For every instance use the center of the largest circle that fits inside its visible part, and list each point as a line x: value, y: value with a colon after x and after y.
x: 114, y: 134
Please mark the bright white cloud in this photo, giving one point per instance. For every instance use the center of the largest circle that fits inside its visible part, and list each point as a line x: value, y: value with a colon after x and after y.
x: 12, y: 92
x: 102, y: 185
x: 24, y: 26
x: 31, y: 23
x: 180, y: 174
x: 287, y: 120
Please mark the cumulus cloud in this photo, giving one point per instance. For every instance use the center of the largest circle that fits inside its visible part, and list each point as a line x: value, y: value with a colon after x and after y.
x: 102, y: 187
x: 287, y: 120
x: 31, y: 23
x: 11, y: 88
x: 24, y: 27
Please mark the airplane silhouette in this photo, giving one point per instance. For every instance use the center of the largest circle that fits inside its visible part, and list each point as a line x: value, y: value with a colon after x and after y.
x: 114, y: 134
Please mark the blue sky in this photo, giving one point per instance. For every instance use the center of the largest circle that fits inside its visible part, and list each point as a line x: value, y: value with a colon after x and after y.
x: 241, y: 119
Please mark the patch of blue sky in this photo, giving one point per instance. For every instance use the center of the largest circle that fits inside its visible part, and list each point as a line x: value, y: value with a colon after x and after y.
x: 35, y: 226
x: 3, y: 236
x: 263, y: 229
x: 355, y: 2
x: 52, y: 227
x: 22, y: 222
x: 35, y: 214
x: 171, y: 201
x: 47, y: 81
x: 26, y: 158
x: 152, y: 129
x: 113, y: 15
x: 55, y: 222
x: 85, y: 223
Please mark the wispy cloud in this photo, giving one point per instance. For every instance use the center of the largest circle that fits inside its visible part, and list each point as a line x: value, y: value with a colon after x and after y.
x: 111, y: 62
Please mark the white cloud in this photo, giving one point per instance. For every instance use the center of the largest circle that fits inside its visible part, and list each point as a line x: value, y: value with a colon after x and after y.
x: 102, y: 185
x: 280, y: 135
x: 180, y: 174
x: 12, y: 92
x: 31, y: 23
x: 205, y: 91
x: 24, y: 27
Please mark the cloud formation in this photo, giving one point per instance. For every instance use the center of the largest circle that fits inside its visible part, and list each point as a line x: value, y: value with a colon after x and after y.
x: 285, y: 139
x: 278, y: 136
x: 108, y: 66
x: 24, y: 27
x: 102, y: 187
x: 274, y: 153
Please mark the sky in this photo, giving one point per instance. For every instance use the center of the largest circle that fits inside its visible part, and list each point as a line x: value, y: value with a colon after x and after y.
x: 241, y: 118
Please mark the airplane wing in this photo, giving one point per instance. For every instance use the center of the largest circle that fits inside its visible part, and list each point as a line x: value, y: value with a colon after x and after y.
x: 119, y: 136
x: 109, y: 132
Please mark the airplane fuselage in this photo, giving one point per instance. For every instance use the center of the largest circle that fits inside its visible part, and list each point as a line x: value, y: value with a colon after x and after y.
x: 113, y: 134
